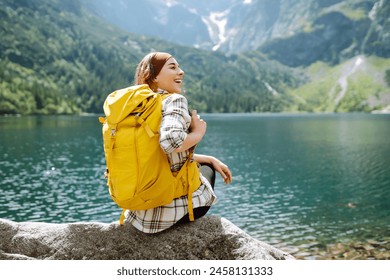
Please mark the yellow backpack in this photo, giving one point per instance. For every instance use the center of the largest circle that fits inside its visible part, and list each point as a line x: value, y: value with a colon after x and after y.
x: 138, y: 172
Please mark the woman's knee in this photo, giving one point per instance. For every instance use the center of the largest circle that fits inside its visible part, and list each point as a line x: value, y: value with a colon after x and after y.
x: 198, y: 213
x: 208, y: 172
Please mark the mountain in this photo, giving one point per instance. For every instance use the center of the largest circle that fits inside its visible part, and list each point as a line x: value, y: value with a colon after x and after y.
x: 64, y: 57
x: 153, y: 18
x: 188, y: 22
x: 296, y: 33
x: 333, y: 30
x: 56, y: 57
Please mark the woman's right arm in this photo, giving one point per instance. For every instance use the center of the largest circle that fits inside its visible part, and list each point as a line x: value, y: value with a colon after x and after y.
x: 179, y: 131
x: 197, y: 131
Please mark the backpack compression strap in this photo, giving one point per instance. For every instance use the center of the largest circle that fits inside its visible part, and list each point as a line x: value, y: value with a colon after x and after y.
x: 142, y: 122
x: 122, y: 218
x: 191, y: 187
x: 187, y: 179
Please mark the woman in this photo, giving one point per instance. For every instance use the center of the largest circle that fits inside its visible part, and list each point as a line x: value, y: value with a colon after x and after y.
x: 179, y: 132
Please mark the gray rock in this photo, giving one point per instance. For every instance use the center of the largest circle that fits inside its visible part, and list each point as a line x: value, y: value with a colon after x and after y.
x: 210, y: 237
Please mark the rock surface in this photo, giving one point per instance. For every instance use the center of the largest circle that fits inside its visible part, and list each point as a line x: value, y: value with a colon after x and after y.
x: 210, y: 237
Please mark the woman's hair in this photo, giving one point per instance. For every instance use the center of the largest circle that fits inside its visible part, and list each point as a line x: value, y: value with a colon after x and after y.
x: 149, y: 67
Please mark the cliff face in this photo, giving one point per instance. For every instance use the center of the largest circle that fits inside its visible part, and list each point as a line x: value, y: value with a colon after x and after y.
x: 332, y: 33
x: 210, y: 237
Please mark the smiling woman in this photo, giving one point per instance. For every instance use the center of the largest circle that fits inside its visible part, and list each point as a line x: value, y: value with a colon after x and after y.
x: 179, y: 133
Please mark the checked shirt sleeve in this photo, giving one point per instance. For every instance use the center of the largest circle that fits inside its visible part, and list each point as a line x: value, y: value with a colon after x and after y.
x: 175, y: 122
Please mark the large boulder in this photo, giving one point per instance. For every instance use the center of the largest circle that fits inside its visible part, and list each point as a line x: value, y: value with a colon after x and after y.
x: 210, y: 237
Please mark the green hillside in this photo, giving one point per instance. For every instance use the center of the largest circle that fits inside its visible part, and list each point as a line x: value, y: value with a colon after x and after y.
x: 361, y: 84
x: 57, y: 59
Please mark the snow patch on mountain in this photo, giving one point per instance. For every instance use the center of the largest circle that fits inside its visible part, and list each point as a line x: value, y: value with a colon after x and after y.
x: 216, y: 25
x: 170, y: 3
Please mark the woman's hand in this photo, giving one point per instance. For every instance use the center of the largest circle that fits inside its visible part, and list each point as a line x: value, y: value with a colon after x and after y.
x: 197, y: 124
x: 218, y: 165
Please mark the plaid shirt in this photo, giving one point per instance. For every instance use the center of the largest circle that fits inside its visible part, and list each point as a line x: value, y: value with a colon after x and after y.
x: 174, y: 129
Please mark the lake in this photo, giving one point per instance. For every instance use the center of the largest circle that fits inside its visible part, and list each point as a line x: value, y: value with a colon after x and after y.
x: 302, y: 182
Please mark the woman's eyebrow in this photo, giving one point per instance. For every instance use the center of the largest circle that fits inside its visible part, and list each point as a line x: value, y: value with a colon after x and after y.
x: 173, y: 63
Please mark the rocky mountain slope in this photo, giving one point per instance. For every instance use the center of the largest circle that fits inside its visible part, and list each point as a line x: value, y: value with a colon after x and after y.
x: 295, y: 32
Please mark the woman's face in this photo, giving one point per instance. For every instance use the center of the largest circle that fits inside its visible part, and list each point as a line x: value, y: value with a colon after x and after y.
x: 170, y: 77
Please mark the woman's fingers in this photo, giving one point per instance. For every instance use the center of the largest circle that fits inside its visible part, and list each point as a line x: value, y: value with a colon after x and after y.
x: 225, y: 172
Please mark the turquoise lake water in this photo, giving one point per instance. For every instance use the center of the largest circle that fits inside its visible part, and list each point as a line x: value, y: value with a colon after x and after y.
x: 298, y: 180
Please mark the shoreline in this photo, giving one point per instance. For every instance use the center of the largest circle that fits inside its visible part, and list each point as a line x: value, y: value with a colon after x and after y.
x: 384, y: 111
x: 353, y: 250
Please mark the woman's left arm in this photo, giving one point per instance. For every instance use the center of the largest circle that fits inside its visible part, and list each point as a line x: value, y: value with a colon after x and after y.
x: 218, y: 165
